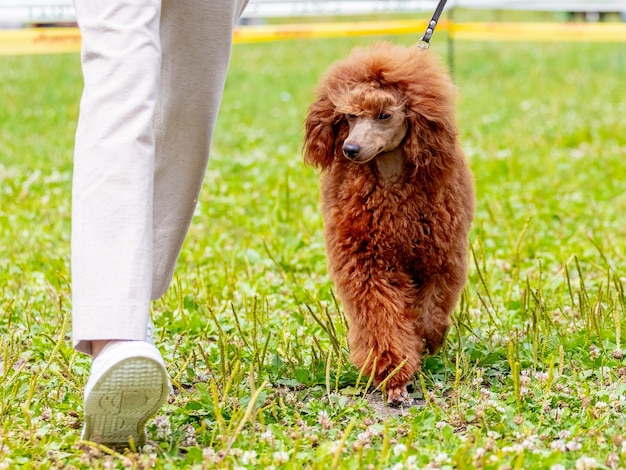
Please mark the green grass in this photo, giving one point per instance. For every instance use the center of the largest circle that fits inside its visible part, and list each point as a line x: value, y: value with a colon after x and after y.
x: 531, y: 375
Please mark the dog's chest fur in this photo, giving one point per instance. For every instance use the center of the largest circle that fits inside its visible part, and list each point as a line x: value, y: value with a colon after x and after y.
x: 390, y: 166
x: 380, y: 211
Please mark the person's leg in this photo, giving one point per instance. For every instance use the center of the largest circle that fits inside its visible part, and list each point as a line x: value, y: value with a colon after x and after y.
x: 196, y: 38
x: 123, y: 205
x: 112, y: 240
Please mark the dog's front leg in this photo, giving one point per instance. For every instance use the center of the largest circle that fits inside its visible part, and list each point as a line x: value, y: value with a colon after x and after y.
x: 382, y: 336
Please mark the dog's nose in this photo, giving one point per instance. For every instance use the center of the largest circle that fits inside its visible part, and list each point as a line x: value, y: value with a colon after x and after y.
x: 351, y: 150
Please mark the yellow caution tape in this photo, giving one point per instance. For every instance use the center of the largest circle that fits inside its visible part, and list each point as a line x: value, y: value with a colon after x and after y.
x: 39, y: 41
x: 57, y: 40
x: 599, y: 32
x: 262, y: 33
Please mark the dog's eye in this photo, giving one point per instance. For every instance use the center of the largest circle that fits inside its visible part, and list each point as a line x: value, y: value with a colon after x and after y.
x: 383, y: 116
x: 351, y: 116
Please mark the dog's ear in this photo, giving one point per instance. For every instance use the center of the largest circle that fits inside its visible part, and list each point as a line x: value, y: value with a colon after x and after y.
x: 432, y: 136
x: 321, y: 127
x: 431, y: 139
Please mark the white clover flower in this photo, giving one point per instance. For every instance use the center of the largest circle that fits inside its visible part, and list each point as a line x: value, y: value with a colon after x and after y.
x: 518, y: 448
x: 557, y: 466
x: 558, y: 445
x: 441, y: 458
x: 334, y: 446
x: 364, y: 438
x: 248, y: 457
x: 573, y: 445
x: 324, y: 420
x: 163, y: 426
x: 190, y: 436
x: 236, y: 451
x: 209, y: 455
x: 586, y: 463
x: 411, y: 464
x: 281, y: 457
x: 268, y: 437
x: 529, y: 443
x: 564, y: 434
x: 399, y: 449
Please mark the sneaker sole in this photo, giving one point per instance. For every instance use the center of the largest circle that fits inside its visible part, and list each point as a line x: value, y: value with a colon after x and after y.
x: 124, y: 398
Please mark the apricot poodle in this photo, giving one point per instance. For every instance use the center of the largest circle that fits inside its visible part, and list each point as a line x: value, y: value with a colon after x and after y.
x: 397, y: 200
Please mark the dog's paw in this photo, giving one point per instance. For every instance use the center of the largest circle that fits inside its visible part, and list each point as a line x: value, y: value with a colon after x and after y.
x: 397, y: 396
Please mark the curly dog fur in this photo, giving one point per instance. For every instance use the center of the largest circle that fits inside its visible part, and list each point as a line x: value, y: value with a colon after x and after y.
x: 397, y: 200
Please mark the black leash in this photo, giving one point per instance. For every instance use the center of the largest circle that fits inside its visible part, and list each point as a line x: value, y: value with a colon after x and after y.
x: 424, y: 43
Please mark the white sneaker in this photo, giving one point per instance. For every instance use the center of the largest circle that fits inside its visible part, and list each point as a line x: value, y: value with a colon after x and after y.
x: 127, y: 385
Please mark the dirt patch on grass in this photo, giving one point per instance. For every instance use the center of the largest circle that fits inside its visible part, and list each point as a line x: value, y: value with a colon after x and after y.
x: 382, y: 410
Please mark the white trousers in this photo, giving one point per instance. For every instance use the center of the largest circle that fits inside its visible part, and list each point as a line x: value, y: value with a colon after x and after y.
x: 154, y: 72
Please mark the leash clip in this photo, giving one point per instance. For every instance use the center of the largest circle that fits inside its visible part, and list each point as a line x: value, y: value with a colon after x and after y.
x: 424, y: 43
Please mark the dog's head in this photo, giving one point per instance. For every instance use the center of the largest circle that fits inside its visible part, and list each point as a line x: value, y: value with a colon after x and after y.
x: 380, y: 98
x: 377, y: 121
